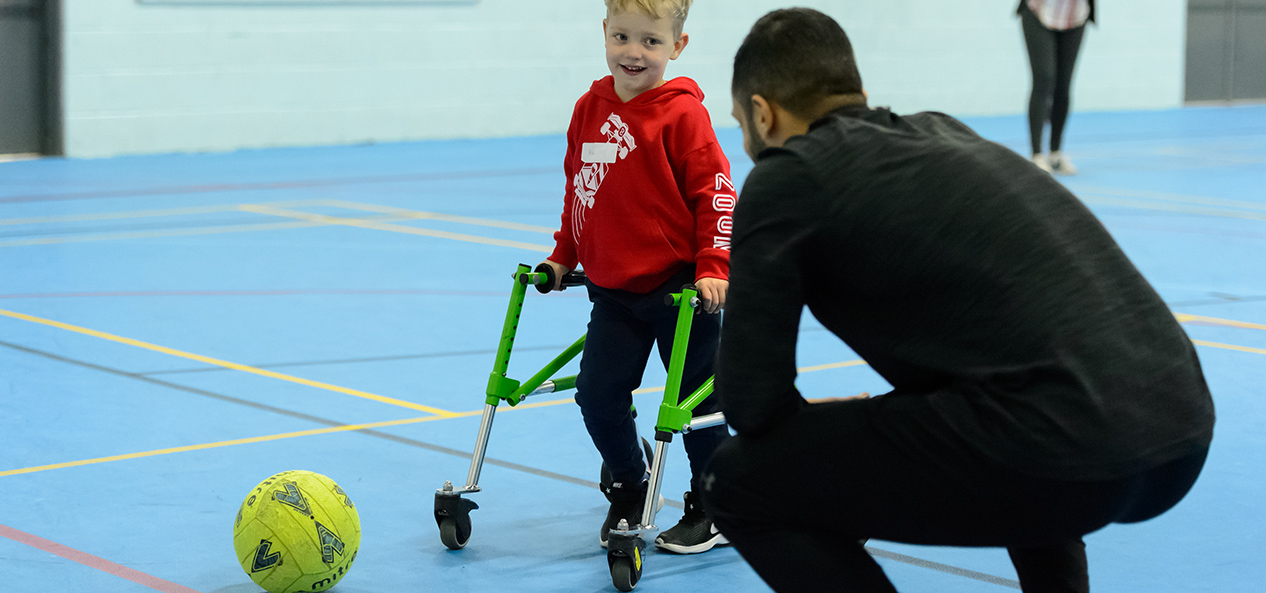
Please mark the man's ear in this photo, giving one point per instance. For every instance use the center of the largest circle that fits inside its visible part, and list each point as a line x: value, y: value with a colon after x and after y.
x: 679, y: 45
x: 764, y: 117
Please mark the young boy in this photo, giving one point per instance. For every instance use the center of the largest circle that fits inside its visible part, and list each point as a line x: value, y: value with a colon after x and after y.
x: 647, y: 211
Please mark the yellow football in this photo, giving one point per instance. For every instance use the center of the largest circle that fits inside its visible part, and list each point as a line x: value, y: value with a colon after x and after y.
x: 296, y: 531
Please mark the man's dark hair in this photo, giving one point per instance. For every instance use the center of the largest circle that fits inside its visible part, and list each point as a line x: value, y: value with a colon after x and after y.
x: 796, y: 57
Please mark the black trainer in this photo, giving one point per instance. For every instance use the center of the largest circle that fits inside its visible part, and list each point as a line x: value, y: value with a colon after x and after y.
x: 627, y: 501
x: 695, y: 532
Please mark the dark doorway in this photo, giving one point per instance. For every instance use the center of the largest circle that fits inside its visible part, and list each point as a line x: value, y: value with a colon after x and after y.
x: 1226, y: 50
x: 30, y: 112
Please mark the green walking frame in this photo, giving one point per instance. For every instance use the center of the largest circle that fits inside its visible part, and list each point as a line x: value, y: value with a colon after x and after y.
x: 625, y: 544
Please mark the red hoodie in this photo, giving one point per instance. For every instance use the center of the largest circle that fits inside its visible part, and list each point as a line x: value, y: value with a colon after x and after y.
x: 648, y: 188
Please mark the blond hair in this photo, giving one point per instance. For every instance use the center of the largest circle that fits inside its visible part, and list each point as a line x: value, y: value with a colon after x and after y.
x: 677, y: 10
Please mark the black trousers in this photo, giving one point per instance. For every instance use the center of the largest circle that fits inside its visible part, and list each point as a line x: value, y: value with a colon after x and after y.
x: 622, y: 328
x: 796, y: 502
x: 1052, y: 56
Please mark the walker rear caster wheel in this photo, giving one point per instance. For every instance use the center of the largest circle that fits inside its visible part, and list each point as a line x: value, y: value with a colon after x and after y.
x: 452, y: 514
x: 448, y: 534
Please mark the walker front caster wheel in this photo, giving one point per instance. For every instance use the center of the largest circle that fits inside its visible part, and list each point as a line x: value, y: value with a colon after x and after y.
x: 452, y: 514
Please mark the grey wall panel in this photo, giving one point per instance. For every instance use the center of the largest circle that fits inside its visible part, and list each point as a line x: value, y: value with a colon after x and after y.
x: 1226, y: 50
x: 1207, y: 56
x: 21, y: 109
x: 1249, y: 80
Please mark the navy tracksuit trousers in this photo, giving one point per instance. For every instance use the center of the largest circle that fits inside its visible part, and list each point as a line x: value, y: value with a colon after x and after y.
x: 623, y: 327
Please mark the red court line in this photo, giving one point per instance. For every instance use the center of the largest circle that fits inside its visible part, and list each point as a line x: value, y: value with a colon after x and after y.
x: 91, y: 561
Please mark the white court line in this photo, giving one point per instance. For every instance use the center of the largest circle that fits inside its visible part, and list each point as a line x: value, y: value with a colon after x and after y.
x: 148, y: 213
x: 1205, y: 155
x: 1172, y: 208
x: 420, y: 215
x: 1166, y: 197
x: 282, y: 209
x: 117, y: 215
x: 396, y: 228
x: 243, y: 228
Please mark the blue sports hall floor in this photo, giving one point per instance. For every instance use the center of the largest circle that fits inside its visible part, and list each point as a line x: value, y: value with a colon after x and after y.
x: 176, y: 328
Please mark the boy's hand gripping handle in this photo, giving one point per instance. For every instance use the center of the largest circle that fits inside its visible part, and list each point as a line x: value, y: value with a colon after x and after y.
x: 543, y: 278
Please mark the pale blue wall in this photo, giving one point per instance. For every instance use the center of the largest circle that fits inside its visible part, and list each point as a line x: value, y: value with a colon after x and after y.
x: 143, y: 78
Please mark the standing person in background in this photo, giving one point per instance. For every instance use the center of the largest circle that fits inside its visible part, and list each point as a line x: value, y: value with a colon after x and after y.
x: 1052, y: 32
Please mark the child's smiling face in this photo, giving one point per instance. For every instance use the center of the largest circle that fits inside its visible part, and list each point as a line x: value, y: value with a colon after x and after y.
x: 638, y: 50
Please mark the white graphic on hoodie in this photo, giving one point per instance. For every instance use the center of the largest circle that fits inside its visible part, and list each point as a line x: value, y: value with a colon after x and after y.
x: 597, y: 158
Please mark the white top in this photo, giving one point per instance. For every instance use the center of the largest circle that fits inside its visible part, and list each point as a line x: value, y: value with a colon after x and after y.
x: 1061, y: 15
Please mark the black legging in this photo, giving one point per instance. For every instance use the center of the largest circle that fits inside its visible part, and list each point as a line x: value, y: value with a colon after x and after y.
x: 796, y: 502
x: 1052, y: 55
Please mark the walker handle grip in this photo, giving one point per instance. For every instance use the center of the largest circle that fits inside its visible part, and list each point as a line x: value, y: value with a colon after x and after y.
x: 672, y: 299
x: 574, y: 278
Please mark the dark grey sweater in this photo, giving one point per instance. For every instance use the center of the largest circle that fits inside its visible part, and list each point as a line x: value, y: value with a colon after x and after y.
x: 961, y: 273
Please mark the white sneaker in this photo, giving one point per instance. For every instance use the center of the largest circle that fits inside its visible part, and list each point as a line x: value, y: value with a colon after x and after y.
x: 1061, y: 164
x: 1042, y: 163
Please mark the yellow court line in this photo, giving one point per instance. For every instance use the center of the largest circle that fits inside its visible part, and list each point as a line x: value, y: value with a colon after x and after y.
x: 267, y: 438
x: 336, y: 429
x: 820, y: 367
x: 1184, y: 317
x: 215, y: 445
x: 354, y: 427
x: 226, y: 364
x: 333, y: 429
x: 834, y: 365
x: 418, y: 214
x: 1229, y: 347
x: 357, y: 222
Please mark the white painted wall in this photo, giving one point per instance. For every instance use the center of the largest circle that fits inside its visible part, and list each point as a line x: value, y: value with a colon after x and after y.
x: 148, y: 78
